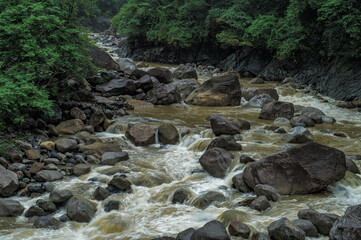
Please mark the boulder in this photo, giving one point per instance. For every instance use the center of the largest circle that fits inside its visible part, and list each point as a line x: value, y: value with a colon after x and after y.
x: 351, y: 166
x: 261, y: 203
x: 47, y: 206
x: 241, y: 124
x: 260, y: 236
x: 33, y: 154
x: 137, y: 73
x: 48, y: 222
x: 259, y: 100
x: 111, y: 158
x: 66, y: 145
x: 36, y: 167
x: 164, y: 94
x: 70, y: 127
x: 80, y: 209
x: 120, y: 183
x: 147, y: 82
x: 239, y: 183
x: 168, y: 134
x: 303, y: 119
x: 76, y: 112
x: 60, y: 196
x: 218, y: 91
x: 250, y: 92
x: 303, y: 169
x: 9, y: 182
x: 162, y: 74
x: 307, y: 226
x: 111, y: 205
x: 126, y: 64
x: 81, y: 169
x: 245, y: 159
x: 226, y: 142
x: 101, y: 193
x: 256, y: 81
x: 186, y: 234
x: 10, y: 208
x: 281, y: 121
x: 314, y: 113
x: 284, y: 229
x: 48, y: 176
x: 273, y: 110
x: 180, y: 196
x: 116, y: 87
x: 48, y: 145
x: 213, y: 230
x: 220, y: 125
x: 216, y: 162
x: 13, y: 153
x: 101, y: 59
x: 298, y: 135
x: 347, y: 227
x: 185, y: 72
x: 184, y: 87
x: 323, y: 222
x: 208, y: 198
x: 99, y: 148
x: 141, y: 135
x: 34, y: 211
x: 239, y: 229
x: 265, y: 190
x: 97, y: 118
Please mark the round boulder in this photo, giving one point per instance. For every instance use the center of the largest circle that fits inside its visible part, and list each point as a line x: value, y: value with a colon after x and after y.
x: 141, y: 135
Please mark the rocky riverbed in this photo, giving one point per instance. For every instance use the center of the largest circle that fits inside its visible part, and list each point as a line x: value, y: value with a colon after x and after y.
x: 184, y: 152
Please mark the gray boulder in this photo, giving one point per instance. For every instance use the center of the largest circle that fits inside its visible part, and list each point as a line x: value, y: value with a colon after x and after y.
x: 284, y: 229
x: 9, y: 182
x: 250, y: 92
x: 348, y: 227
x: 213, y: 230
x: 111, y: 158
x: 48, y: 176
x: 116, y: 87
x: 216, y: 161
x: 220, y: 125
x: 60, y: 196
x: 273, y: 110
x: 259, y: 100
x: 66, y: 145
x: 80, y: 209
x: 162, y: 74
x: 298, y: 135
x: 323, y: 222
x: 10, y: 208
x: 168, y: 134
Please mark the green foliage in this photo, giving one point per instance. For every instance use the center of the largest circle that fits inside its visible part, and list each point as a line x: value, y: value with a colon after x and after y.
x: 40, y: 45
x: 283, y: 27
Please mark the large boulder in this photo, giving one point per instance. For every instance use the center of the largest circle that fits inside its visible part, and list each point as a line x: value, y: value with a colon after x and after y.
x: 259, y: 100
x: 239, y: 183
x: 162, y: 74
x: 10, y: 208
x: 164, y: 94
x: 66, y: 145
x: 141, y: 135
x: 298, y: 135
x: 220, y: 125
x: 80, y: 209
x: 147, y: 82
x: 101, y: 59
x: 120, y: 184
x: 307, y: 227
x: 9, y: 182
x: 126, y: 64
x: 298, y: 170
x: 70, y: 127
x: 116, y: 87
x: 48, y: 176
x: 273, y: 110
x: 314, y: 113
x: 218, y: 91
x: 348, y: 227
x: 185, y: 72
x: 250, y: 92
x: 323, y: 222
x: 284, y: 229
x: 99, y: 148
x: 213, y: 230
x: 216, y: 161
x: 168, y: 133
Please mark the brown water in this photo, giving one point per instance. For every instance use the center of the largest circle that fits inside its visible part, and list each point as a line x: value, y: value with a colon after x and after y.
x: 157, y: 171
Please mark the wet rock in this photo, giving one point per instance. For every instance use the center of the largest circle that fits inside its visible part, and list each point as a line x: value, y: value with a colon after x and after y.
x: 47, y: 206
x: 47, y: 222
x: 164, y: 94
x: 70, y: 127
x: 321, y: 221
x: 97, y: 118
x: 284, y: 229
x: 314, y: 113
x: 307, y: 226
x: 13, y: 153
x: 340, y: 134
x: 34, y: 211
x: 260, y: 236
x: 351, y: 166
x: 99, y: 148
x: 60, y: 196
x: 111, y: 158
x: 141, y: 135
x: 101, y: 193
x: 280, y: 130
x: 241, y: 124
x: 66, y: 145
x: 48, y: 145
x: 239, y: 183
x: 162, y: 74
x: 147, y: 82
x: 273, y: 110
x: 220, y: 125
x: 9, y: 182
x: 111, y: 205
x: 256, y: 81
x: 265, y: 190
x: 64, y: 218
x: 250, y: 92
x: 216, y: 161
x: 225, y: 142
x: 218, y: 91
x: 259, y: 100
x: 180, y: 196
x: 261, y: 203
x: 185, y: 72
x: 49, y: 187
x: 80, y: 209
x: 48, y: 176
x: 102, y: 59
x: 303, y: 119
x: 213, y: 230
x: 245, y: 159
x: 116, y: 87
x: 185, y: 87
x: 76, y: 112
x: 298, y: 135
x: 120, y: 183
x: 186, y: 234
x: 208, y: 198
x: 81, y: 169
x: 168, y: 133
x: 10, y: 208
x: 239, y: 229
x: 281, y: 121
x: 349, y: 226
x: 298, y: 170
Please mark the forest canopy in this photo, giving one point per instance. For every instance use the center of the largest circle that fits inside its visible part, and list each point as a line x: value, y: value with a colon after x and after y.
x: 283, y: 27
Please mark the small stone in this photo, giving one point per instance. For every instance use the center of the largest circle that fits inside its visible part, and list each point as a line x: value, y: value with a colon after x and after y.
x: 34, y: 211
x: 180, y: 196
x: 101, y: 193
x: 60, y: 196
x: 48, y: 145
x: 111, y: 205
x: 261, y: 203
x: 245, y: 159
x: 36, y: 167
x: 33, y: 154
x: 81, y: 169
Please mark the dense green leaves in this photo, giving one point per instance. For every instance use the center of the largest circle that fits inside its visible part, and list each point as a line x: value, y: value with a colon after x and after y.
x: 283, y: 27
